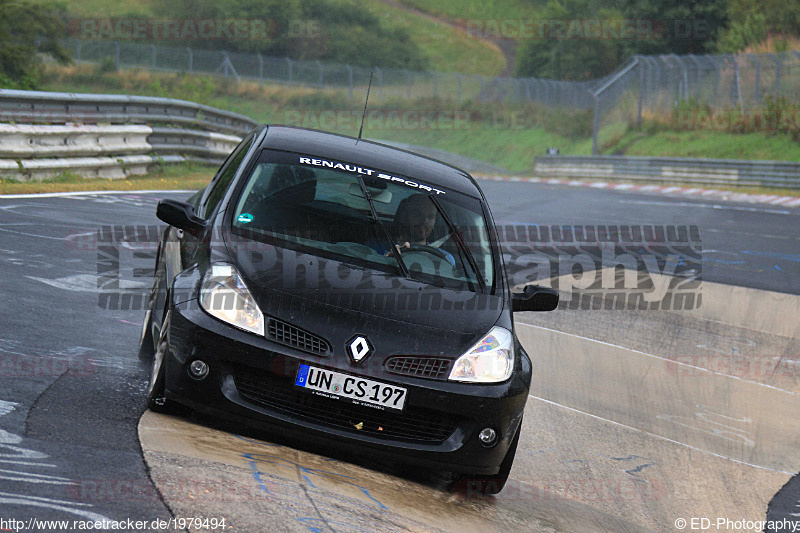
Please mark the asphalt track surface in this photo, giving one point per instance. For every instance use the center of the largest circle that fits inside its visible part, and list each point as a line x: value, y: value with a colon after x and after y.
x: 72, y: 388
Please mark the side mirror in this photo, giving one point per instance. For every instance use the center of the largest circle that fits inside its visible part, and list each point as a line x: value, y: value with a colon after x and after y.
x: 181, y: 215
x: 534, y: 298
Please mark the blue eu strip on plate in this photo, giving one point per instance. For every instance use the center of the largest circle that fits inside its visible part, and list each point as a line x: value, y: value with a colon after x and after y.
x: 302, y: 375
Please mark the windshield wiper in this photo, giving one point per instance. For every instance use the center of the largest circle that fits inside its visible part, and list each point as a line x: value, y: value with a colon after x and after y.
x: 377, y: 220
x: 459, y: 237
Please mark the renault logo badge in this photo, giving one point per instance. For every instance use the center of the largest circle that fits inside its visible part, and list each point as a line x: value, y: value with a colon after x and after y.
x: 359, y: 348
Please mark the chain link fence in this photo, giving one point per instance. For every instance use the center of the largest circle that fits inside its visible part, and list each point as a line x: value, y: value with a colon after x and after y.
x: 387, y: 83
x: 646, y: 86
x: 723, y: 92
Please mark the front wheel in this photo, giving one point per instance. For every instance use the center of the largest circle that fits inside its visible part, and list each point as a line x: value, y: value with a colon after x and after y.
x: 146, y: 349
x: 156, y: 389
x: 146, y: 339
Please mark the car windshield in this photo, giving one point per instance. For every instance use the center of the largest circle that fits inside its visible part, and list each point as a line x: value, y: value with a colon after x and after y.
x: 367, y: 217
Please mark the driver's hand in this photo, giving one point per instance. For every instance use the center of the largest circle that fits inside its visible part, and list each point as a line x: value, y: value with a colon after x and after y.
x: 399, y: 248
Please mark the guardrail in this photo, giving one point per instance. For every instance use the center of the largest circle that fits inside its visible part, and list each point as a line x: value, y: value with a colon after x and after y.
x: 204, y: 146
x: 35, y: 152
x: 28, y: 141
x: 35, y: 107
x: 728, y: 172
x: 109, y: 136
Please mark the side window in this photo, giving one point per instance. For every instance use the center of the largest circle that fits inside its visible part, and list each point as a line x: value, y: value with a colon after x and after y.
x: 226, y: 174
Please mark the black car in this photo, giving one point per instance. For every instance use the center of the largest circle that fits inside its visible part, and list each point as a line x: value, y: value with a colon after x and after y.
x: 331, y: 288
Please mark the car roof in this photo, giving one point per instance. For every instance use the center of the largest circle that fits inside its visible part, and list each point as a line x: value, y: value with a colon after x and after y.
x: 370, y: 154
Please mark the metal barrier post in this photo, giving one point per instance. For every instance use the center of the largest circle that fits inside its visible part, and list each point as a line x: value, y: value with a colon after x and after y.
x: 595, y: 123
x: 778, y: 65
x: 641, y: 95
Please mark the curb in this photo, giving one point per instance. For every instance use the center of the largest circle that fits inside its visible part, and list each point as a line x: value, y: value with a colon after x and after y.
x: 668, y: 190
x: 87, y: 193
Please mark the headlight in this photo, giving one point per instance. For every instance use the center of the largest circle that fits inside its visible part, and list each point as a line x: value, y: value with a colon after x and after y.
x: 490, y: 360
x: 224, y: 295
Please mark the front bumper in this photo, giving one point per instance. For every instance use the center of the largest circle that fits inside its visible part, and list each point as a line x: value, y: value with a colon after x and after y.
x: 251, y: 380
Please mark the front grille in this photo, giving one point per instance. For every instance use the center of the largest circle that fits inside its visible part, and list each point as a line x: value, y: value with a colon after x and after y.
x: 290, y: 335
x: 421, y: 367
x: 281, y: 396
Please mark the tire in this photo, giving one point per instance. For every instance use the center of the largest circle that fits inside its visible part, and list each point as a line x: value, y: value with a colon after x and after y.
x: 157, y: 400
x: 146, y: 345
x: 482, y: 486
x: 146, y: 340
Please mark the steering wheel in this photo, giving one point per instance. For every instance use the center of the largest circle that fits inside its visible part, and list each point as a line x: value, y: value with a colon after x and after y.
x: 431, y: 250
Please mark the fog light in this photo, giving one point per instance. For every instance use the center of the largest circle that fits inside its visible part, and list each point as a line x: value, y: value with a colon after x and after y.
x: 488, y: 436
x: 198, y: 369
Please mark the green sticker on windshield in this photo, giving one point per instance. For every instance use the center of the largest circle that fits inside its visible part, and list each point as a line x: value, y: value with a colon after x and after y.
x: 244, y: 218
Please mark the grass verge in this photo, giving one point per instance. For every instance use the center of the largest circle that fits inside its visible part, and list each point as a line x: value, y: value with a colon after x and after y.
x: 192, y: 176
x: 510, y: 141
x: 447, y: 49
x: 185, y: 176
x: 509, y: 137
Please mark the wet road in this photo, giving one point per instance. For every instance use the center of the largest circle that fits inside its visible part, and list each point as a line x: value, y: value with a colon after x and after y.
x: 636, y: 419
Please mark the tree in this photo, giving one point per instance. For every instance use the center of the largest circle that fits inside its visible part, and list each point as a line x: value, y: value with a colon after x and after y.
x: 575, y: 40
x: 330, y: 30
x: 27, y: 30
x: 597, y: 37
x: 752, y: 21
x: 685, y: 26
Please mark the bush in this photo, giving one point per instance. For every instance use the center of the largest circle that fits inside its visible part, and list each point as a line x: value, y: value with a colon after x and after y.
x: 339, y: 31
x: 776, y: 116
x: 106, y: 66
x: 26, y: 30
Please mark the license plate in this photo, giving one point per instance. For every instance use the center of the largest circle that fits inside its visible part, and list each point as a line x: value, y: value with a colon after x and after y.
x: 359, y: 390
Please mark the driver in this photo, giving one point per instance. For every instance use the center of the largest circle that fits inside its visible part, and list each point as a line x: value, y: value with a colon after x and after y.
x: 413, y: 224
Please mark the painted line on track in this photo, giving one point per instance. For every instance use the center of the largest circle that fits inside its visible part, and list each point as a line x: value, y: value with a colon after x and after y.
x: 661, y: 358
x: 86, y: 193
x: 666, y: 190
x: 657, y: 435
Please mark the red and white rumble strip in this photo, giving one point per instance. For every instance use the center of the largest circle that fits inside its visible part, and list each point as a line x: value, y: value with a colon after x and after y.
x: 730, y: 196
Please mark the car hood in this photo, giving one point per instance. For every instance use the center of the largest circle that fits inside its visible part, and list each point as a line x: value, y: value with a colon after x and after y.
x: 337, y: 301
